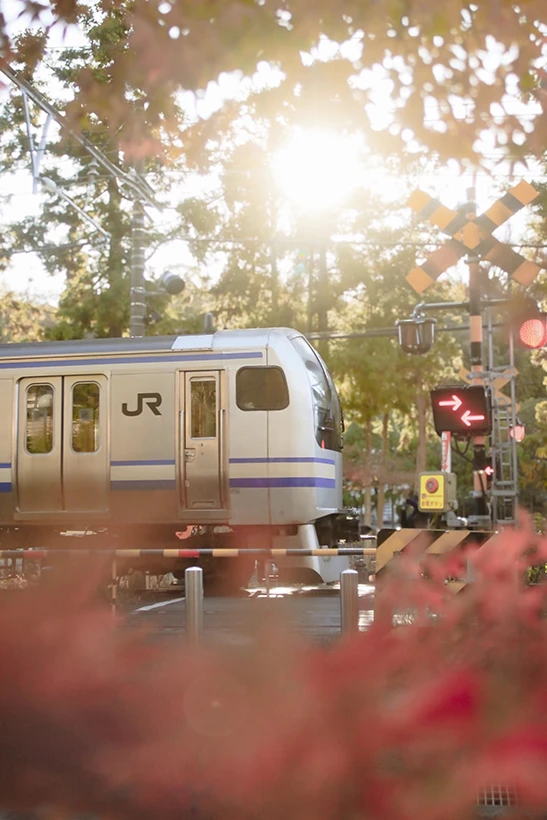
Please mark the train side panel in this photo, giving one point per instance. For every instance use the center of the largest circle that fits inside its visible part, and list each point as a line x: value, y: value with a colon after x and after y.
x: 247, y: 455
x: 142, y: 458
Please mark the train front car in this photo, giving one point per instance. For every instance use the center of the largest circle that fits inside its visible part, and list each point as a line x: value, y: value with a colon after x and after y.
x: 305, y: 462
x: 231, y: 439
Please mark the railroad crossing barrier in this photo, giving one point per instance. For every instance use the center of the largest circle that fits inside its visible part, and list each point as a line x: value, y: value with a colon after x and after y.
x: 326, y: 552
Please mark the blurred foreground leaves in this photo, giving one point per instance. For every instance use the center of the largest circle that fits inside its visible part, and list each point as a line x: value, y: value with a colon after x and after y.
x: 393, y: 723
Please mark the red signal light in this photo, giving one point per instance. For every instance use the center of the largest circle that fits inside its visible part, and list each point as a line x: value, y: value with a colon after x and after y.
x: 518, y: 431
x: 532, y: 332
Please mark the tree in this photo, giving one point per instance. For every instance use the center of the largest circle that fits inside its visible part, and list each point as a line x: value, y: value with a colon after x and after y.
x: 433, y: 63
x: 97, y: 269
x: 23, y: 320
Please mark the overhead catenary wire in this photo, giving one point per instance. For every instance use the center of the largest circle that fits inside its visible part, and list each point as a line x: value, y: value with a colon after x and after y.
x: 294, y: 243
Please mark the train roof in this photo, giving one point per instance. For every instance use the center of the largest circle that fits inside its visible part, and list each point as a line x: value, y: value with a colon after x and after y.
x: 220, y: 340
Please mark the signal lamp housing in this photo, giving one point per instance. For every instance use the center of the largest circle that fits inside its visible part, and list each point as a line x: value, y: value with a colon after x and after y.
x: 172, y: 283
x: 532, y: 332
x: 528, y: 321
x: 416, y: 335
x: 518, y: 431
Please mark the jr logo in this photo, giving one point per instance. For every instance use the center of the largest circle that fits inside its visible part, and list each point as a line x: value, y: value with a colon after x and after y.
x: 152, y: 400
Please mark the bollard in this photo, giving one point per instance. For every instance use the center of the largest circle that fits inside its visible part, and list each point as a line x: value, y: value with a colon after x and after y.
x: 267, y: 571
x: 193, y: 594
x: 349, y: 601
x: 113, y: 589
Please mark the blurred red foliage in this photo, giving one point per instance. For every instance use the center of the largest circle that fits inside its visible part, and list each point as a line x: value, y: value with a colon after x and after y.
x: 398, y: 723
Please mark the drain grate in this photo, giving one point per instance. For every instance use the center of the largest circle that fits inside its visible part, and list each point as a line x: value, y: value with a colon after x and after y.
x: 497, y: 796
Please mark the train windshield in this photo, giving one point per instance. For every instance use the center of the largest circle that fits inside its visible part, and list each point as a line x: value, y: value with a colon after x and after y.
x: 328, y: 413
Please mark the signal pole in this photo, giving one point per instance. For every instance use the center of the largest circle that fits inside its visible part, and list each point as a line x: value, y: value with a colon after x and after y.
x: 477, y: 374
x: 470, y: 236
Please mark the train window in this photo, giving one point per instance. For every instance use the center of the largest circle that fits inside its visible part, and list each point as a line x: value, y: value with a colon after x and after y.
x: 328, y: 412
x: 261, y: 388
x: 85, y: 417
x: 203, y: 408
x: 39, y: 432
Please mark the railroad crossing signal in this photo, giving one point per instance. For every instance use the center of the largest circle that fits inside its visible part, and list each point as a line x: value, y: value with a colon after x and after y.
x: 474, y: 235
x: 463, y: 410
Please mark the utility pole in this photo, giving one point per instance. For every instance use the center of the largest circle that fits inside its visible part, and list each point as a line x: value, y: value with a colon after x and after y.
x: 137, y: 301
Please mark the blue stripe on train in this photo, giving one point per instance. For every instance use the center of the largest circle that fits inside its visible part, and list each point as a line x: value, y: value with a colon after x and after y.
x: 169, y: 461
x: 293, y: 481
x: 248, y: 483
x: 277, y: 460
x: 95, y: 360
x: 145, y: 484
x: 144, y: 462
x: 5, y: 486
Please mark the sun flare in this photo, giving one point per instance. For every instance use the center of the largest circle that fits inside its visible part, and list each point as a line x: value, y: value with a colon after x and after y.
x: 317, y: 169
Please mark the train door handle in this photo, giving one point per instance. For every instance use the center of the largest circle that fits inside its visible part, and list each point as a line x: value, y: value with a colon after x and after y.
x: 189, y: 455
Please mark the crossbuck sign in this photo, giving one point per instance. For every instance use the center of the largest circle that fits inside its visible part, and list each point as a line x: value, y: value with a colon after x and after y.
x: 472, y: 235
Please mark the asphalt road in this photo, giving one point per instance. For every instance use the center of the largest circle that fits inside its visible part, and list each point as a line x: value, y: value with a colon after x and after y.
x: 307, y: 612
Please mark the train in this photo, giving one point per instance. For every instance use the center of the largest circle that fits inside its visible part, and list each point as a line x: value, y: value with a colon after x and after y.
x: 226, y: 439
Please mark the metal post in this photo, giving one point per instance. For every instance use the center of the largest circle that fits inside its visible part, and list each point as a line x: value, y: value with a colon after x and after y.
x: 267, y: 571
x: 349, y: 601
x: 114, y: 589
x: 446, y: 452
x: 193, y: 585
x: 475, y: 327
x: 514, y: 451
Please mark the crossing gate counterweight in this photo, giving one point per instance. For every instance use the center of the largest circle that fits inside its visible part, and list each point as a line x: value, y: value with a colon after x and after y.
x: 393, y: 543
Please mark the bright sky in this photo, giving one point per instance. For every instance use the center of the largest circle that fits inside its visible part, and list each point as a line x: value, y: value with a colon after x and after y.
x: 296, y: 169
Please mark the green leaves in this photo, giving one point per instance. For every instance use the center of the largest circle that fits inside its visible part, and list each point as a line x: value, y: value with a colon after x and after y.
x: 429, y: 52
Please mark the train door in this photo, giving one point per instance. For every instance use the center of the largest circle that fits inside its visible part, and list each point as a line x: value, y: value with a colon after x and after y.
x: 201, y: 453
x: 62, y: 449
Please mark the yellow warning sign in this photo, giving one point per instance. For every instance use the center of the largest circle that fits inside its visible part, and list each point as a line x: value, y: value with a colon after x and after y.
x: 432, y: 493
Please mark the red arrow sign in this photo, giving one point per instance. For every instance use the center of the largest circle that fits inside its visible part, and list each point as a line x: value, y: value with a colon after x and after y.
x: 467, y: 418
x: 489, y: 470
x: 454, y: 403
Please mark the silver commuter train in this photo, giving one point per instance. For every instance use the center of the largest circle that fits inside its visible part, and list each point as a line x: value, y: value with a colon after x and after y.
x: 227, y: 439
